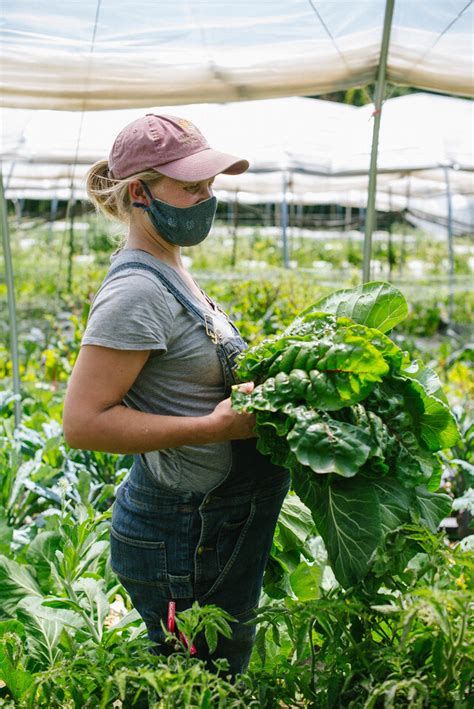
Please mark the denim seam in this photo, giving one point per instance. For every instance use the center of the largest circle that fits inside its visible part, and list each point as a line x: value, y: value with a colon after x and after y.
x: 220, y: 578
x: 140, y: 543
x: 153, y: 584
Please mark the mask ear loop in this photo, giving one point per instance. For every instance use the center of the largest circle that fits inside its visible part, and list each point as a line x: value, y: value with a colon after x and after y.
x: 149, y: 195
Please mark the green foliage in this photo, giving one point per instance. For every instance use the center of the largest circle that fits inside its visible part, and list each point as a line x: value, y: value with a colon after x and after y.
x: 209, y: 620
x: 58, y: 647
x: 355, y: 421
x: 291, y: 570
x: 374, y: 305
x: 402, y: 637
x: 406, y: 646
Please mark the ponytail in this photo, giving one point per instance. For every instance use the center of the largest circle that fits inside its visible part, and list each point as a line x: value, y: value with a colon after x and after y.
x: 111, y: 196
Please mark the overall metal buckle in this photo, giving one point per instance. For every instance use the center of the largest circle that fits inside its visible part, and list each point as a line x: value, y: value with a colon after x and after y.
x: 211, y: 332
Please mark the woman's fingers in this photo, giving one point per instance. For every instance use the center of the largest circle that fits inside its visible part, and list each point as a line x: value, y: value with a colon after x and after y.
x: 246, y: 387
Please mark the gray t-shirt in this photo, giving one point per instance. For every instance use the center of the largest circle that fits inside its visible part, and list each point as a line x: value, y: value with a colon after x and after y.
x: 182, y: 376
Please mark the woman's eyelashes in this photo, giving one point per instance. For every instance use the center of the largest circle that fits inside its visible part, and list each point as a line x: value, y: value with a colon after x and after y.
x: 196, y: 187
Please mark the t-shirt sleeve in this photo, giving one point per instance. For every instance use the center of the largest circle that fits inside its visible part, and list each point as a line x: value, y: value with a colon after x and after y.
x: 130, y: 312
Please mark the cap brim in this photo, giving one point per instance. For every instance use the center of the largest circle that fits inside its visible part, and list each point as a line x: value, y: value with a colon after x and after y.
x: 203, y: 165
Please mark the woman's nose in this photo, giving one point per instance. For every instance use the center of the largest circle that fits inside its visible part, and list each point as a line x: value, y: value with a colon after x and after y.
x: 205, y: 192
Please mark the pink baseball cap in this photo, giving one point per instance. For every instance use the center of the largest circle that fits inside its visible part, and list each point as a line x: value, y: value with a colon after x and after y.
x: 172, y: 146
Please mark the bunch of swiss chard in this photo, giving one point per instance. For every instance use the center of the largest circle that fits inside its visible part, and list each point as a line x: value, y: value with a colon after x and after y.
x: 357, y: 423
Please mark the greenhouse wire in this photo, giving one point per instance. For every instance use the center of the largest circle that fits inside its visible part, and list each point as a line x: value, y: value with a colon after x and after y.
x: 72, y: 199
x: 318, y: 15
x: 441, y: 34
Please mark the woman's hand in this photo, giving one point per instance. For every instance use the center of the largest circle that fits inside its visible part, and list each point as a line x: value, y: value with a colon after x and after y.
x: 227, y: 424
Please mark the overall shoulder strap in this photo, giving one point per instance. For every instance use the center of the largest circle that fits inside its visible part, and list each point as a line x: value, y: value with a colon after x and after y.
x: 169, y: 285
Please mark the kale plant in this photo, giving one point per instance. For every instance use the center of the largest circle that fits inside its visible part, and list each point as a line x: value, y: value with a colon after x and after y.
x: 355, y: 420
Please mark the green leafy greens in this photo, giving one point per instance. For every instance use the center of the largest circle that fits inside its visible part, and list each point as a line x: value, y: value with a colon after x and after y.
x: 356, y: 422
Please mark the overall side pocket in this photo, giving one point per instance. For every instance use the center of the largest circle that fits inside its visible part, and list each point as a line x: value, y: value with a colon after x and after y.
x: 138, y: 560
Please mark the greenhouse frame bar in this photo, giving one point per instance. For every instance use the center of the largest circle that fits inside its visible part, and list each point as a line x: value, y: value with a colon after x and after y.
x: 11, y: 302
x: 379, y: 93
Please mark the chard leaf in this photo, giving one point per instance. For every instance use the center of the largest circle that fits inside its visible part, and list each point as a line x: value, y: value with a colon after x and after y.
x: 254, y: 363
x: 434, y: 481
x: 435, y: 423
x: 374, y: 304
x: 438, y: 425
x: 325, y: 390
x: 401, y: 407
x: 431, y: 508
x: 295, y: 524
x: 269, y: 443
x: 277, y: 420
x: 328, y: 446
x: 428, y: 379
x: 412, y: 464
x: 395, y: 502
x: 347, y: 373
x: 352, y: 354
x: 388, y: 349
x: 314, y: 324
x: 347, y: 516
x: 372, y: 424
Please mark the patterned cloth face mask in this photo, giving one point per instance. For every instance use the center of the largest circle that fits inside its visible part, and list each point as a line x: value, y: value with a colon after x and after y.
x: 181, y: 226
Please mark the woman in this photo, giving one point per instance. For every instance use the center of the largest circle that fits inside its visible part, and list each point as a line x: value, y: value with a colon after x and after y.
x: 195, y: 518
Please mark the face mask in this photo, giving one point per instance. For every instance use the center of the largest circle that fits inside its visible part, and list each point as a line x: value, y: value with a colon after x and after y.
x: 182, y: 226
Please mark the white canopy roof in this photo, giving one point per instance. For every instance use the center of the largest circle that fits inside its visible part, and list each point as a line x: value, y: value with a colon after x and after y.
x: 101, y: 54
x: 320, y: 146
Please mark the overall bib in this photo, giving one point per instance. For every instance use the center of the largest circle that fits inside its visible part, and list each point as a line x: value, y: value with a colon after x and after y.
x: 168, y: 545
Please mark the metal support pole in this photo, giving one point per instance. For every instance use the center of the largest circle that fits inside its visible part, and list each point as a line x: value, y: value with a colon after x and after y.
x: 348, y: 218
x: 390, y: 232
x: 405, y: 228
x: 284, y: 222
x: 379, y: 93
x: 52, y: 219
x: 235, y: 229
x: 71, y: 211
x: 450, y: 246
x: 7, y: 256
x: 299, y: 215
x: 268, y: 214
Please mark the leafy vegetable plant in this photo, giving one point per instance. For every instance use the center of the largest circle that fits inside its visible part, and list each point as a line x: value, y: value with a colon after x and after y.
x: 356, y: 422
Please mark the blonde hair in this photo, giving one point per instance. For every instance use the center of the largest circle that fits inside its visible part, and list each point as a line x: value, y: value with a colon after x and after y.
x: 111, y: 196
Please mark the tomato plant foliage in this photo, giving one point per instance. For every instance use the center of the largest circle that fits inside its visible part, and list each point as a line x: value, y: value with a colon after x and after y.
x: 355, y: 420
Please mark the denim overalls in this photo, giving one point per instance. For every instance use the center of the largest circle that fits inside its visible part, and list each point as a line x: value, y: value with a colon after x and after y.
x: 184, y: 546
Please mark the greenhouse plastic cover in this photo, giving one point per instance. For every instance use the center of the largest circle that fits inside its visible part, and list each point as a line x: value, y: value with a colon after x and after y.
x: 101, y: 54
x: 317, y: 145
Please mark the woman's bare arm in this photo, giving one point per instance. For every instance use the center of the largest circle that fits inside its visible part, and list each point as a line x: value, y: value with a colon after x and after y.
x: 96, y: 419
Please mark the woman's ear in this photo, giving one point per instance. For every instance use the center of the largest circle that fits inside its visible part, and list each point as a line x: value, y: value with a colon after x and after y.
x: 137, y: 193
